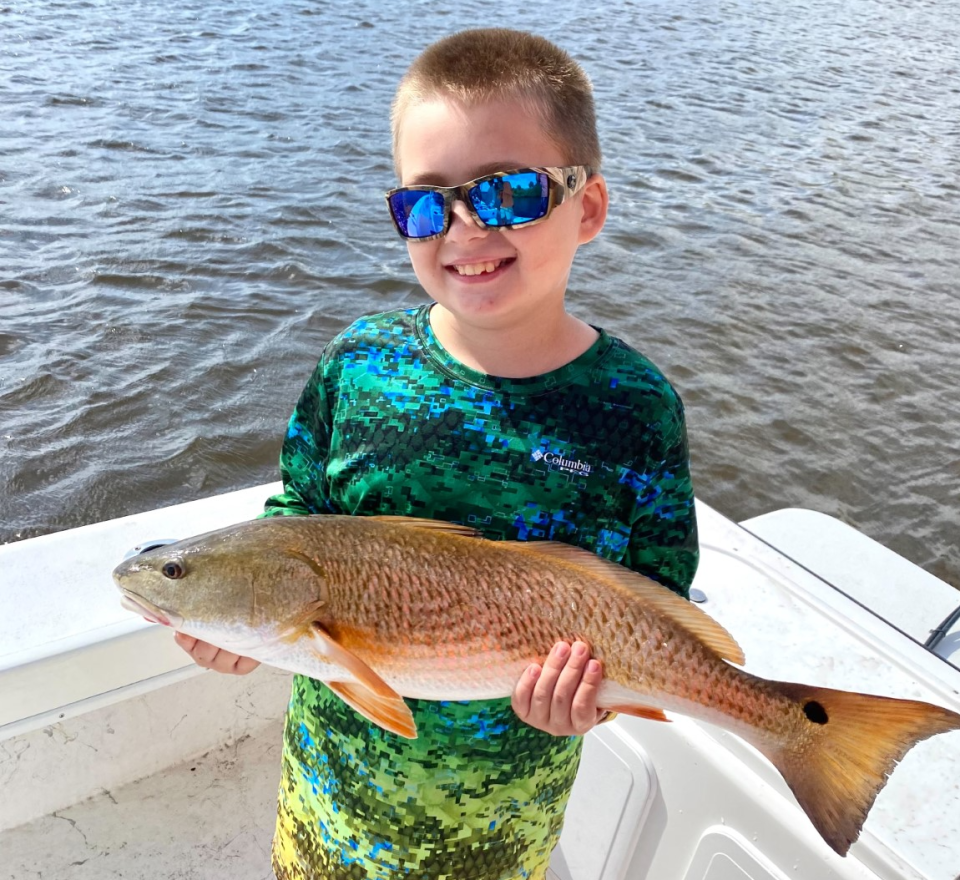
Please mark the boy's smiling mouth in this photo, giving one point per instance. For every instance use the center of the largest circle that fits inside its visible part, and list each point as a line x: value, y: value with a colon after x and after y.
x: 485, y: 267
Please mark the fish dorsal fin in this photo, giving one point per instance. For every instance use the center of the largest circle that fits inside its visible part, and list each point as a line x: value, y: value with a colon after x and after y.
x: 663, y: 600
x: 435, y: 525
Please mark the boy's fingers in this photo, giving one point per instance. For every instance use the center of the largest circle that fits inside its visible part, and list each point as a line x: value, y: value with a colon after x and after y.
x: 584, y: 713
x: 541, y: 706
x: 561, y: 696
x: 205, y: 654
x: 211, y: 657
x: 523, y: 692
x: 243, y: 665
x: 568, y: 684
x: 184, y: 641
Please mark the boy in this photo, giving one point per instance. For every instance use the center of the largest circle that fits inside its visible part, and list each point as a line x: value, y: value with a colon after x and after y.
x: 492, y: 407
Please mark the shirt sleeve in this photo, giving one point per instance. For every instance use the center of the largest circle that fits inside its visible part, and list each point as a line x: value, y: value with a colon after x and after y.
x: 663, y: 538
x: 304, y: 453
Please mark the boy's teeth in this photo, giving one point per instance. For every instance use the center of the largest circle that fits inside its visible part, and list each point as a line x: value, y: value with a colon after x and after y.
x: 478, y: 268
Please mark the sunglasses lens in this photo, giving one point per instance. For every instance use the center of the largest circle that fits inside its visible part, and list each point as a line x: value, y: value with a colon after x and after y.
x: 513, y: 199
x: 417, y: 213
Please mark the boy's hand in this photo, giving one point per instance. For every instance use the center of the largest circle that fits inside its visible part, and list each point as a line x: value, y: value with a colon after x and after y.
x: 561, y: 696
x: 211, y: 657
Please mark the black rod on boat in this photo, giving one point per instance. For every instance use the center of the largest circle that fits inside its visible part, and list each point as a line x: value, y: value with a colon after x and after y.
x: 937, y: 635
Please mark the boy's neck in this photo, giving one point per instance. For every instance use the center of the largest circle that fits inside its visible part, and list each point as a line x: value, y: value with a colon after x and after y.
x: 513, y: 353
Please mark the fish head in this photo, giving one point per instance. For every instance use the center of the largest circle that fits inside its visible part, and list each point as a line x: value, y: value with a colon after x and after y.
x: 153, y: 584
x: 222, y: 586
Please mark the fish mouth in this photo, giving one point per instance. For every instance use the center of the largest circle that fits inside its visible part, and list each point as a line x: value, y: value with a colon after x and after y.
x: 139, y: 605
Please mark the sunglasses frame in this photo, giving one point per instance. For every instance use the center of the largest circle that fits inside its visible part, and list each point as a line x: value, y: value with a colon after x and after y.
x: 563, y: 181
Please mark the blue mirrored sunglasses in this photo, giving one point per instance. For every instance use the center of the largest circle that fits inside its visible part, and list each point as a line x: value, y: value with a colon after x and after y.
x: 503, y: 200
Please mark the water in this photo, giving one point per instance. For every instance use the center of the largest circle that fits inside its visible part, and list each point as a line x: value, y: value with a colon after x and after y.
x: 190, y: 206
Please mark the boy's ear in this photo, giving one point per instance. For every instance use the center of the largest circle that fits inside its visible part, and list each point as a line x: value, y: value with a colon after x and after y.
x: 596, y: 200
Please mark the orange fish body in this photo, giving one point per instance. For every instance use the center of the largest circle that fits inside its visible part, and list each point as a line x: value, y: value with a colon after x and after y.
x: 385, y: 607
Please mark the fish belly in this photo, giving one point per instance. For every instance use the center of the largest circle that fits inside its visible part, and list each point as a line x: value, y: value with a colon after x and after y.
x: 421, y: 674
x: 480, y: 677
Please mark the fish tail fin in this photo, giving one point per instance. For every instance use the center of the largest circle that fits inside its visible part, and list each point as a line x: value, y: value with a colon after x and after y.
x: 852, y: 745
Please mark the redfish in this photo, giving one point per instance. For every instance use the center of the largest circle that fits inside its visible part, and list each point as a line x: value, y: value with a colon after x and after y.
x: 381, y: 608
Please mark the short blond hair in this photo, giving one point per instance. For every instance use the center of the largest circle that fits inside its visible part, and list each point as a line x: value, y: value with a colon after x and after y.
x: 486, y: 64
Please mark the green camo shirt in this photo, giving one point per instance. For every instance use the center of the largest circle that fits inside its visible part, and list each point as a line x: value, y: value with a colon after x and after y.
x: 593, y: 454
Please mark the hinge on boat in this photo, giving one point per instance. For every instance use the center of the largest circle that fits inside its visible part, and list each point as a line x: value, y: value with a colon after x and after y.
x: 149, y: 545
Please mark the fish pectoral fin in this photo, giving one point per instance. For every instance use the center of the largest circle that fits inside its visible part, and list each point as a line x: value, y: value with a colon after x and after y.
x: 639, y: 712
x: 333, y: 652
x: 390, y: 713
x: 370, y: 695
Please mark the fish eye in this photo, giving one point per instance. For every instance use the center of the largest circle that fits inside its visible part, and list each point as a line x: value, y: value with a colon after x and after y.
x: 172, y: 570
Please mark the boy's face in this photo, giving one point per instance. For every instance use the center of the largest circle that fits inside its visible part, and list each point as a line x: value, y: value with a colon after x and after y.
x: 488, y: 278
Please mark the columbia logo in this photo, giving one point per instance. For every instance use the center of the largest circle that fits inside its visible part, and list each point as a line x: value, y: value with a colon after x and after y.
x: 564, y: 464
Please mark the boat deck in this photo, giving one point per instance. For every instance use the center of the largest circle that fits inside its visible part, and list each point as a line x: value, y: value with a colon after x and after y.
x: 210, y: 818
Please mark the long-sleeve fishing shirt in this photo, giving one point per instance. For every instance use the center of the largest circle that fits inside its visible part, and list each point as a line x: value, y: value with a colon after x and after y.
x: 593, y: 454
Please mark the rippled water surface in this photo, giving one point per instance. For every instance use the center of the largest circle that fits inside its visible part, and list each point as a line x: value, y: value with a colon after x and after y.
x: 190, y: 206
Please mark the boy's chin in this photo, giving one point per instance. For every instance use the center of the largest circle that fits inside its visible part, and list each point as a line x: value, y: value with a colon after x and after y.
x: 478, y: 308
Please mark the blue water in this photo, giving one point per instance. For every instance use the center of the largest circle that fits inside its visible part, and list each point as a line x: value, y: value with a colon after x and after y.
x: 191, y: 204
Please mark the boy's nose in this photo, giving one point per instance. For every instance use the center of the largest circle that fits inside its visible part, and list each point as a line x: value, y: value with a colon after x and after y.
x: 463, y: 223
